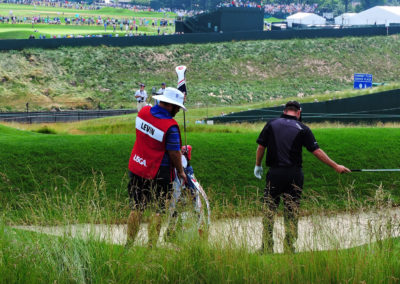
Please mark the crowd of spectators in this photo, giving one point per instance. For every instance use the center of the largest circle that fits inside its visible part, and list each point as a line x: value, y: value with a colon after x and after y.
x: 76, y: 5
x: 125, y: 23
x: 239, y: 3
x: 129, y: 34
x: 273, y: 9
x: 292, y: 8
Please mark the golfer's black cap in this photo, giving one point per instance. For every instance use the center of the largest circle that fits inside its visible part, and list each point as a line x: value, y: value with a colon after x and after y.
x: 163, y: 84
x: 142, y: 85
x: 294, y: 104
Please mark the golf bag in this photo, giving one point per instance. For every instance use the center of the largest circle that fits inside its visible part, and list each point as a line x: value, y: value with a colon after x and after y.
x: 194, y: 190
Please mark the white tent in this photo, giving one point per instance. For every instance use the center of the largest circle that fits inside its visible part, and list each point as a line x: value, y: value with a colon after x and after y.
x: 343, y: 19
x: 378, y: 15
x: 305, y: 19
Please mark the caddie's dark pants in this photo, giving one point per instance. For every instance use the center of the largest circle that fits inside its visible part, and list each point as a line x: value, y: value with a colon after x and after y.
x: 286, y: 183
x: 145, y: 192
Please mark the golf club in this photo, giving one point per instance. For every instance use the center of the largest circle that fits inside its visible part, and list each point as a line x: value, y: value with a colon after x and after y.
x: 181, y: 71
x: 375, y: 170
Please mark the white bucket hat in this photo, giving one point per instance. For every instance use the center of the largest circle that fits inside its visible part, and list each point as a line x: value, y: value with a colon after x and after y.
x: 172, y: 96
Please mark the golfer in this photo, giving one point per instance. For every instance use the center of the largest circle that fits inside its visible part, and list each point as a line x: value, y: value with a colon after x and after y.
x: 155, y: 157
x: 141, y: 97
x: 284, y: 138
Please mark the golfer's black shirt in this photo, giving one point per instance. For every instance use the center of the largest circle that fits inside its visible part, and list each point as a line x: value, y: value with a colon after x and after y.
x: 284, y: 138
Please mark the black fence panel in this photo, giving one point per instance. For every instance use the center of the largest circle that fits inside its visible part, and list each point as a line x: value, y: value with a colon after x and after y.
x: 383, y: 106
x: 60, y: 116
x: 11, y: 44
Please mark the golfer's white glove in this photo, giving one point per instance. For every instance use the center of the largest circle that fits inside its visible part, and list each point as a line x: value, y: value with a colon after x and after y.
x: 258, y: 171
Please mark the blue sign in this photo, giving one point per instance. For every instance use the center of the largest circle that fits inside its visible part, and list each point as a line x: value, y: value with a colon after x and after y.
x: 362, y: 81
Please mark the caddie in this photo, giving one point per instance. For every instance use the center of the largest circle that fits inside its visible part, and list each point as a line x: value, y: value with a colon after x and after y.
x: 155, y: 158
x: 284, y: 138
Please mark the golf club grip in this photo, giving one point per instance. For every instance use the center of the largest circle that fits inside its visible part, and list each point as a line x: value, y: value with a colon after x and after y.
x: 356, y: 170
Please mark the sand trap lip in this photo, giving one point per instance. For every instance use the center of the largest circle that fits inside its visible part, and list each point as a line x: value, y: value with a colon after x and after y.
x: 315, y: 232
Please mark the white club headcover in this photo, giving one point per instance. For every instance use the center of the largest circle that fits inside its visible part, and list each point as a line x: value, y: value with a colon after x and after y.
x: 180, y: 71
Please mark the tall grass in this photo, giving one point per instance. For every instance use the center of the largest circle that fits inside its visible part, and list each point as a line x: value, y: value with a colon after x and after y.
x: 28, y: 257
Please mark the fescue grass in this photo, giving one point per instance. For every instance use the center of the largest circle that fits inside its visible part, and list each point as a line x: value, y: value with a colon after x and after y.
x: 28, y: 257
x: 221, y: 74
x: 35, y: 258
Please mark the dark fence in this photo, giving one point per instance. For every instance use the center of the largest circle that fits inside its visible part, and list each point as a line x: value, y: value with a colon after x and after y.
x: 11, y: 44
x: 384, y: 107
x: 60, y: 116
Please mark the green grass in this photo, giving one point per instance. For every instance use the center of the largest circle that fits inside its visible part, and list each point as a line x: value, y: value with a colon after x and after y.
x: 273, y: 20
x: 29, y: 10
x: 23, y: 31
x: 225, y: 74
x: 63, y: 179
x: 35, y: 164
x: 28, y: 257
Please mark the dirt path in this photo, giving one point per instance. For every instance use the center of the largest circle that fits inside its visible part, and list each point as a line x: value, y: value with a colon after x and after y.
x: 315, y: 232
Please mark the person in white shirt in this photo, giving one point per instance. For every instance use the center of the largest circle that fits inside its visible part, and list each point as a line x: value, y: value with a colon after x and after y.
x: 141, y: 97
x: 160, y: 91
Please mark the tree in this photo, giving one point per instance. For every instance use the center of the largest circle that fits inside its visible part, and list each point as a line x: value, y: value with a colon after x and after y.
x: 346, y: 5
x: 366, y: 4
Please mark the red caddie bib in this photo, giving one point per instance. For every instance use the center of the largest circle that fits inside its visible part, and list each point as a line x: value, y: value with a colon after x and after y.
x: 149, y: 147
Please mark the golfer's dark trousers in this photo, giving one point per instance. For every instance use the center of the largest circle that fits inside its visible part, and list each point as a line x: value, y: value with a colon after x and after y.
x: 285, y: 183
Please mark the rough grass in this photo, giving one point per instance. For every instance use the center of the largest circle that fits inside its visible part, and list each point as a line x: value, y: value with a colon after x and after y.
x: 36, y: 163
x: 218, y: 74
x: 70, y: 179
x: 36, y: 258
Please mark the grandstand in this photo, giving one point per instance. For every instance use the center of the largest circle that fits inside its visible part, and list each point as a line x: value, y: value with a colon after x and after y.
x: 224, y: 19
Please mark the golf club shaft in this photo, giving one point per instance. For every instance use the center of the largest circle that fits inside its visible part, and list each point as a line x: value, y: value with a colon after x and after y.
x: 184, y: 127
x: 375, y: 170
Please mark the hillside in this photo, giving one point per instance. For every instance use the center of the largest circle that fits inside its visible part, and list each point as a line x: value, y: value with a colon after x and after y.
x: 223, y: 73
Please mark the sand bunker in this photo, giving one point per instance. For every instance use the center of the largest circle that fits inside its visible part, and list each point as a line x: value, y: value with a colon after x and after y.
x: 315, y: 232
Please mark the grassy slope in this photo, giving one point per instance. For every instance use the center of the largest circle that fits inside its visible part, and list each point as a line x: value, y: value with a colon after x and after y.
x: 223, y: 162
x: 225, y: 73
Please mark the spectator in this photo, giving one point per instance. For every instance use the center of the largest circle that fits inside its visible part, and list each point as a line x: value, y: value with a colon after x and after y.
x: 141, y: 97
x: 160, y: 92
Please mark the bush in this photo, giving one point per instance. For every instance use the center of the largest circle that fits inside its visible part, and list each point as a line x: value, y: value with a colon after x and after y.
x: 45, y: 130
